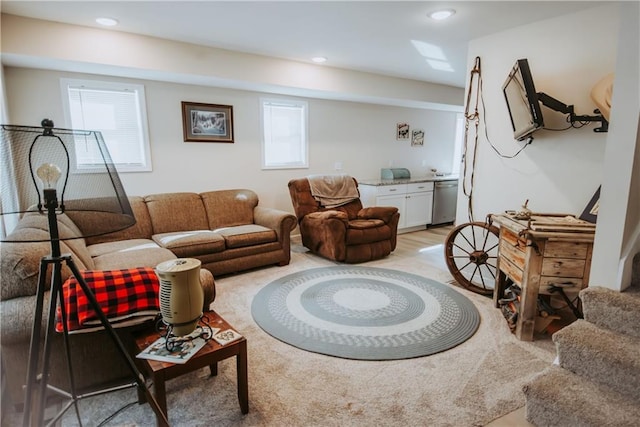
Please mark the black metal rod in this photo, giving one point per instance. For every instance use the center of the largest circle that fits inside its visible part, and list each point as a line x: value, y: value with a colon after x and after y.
x: 34, y: 345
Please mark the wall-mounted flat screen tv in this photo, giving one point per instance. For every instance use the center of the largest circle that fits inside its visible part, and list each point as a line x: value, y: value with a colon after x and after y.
x: 522, y: 101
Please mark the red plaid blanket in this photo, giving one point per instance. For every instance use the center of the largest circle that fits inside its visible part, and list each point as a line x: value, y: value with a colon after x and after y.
x: 118, y: 292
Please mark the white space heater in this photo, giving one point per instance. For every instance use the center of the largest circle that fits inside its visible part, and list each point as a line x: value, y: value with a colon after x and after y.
x: 181, y: 294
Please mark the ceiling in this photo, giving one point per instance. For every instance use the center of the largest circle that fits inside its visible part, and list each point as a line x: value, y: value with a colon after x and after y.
x: 385, y: 37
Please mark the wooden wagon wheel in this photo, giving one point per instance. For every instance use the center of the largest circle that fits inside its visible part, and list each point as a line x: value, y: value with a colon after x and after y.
x: 471, y: 253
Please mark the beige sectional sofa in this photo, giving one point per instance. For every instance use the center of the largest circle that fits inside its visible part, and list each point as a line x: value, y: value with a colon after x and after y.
x: 226, y: 230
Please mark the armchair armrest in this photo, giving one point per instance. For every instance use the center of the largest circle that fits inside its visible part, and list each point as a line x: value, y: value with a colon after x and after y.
x: 327, y: 215
x: 384, y: 213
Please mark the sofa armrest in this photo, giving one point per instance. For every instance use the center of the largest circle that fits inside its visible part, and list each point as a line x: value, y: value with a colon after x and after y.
x: 384, y: 213
x: 280, y: 221
x: 209, y: 288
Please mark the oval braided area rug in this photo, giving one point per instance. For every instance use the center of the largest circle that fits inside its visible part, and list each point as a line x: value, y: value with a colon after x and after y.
x: 364, y: 313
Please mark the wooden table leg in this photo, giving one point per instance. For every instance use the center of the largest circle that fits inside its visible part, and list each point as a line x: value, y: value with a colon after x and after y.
x: 243, y: 383
x: 160, y: 395
x: 214, y: 369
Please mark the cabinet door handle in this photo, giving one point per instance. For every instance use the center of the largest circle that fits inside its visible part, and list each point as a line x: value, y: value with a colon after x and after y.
x: 392, y: 189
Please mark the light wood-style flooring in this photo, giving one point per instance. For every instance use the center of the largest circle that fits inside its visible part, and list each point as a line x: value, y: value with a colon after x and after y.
x: 410, y: 243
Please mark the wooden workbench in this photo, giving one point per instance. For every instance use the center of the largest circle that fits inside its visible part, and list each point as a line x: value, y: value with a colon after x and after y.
x: 537, y: 253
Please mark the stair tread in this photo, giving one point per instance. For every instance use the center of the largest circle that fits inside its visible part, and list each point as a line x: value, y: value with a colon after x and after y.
x: 618, y: 311
x: 558, y: 397
x: 611, y: 359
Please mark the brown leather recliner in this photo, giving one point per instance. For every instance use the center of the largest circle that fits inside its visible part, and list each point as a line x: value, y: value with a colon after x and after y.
x: 348, y: 233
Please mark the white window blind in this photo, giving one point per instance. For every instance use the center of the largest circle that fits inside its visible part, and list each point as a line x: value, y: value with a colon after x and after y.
x: 285, y: 141
x: 116, y: 110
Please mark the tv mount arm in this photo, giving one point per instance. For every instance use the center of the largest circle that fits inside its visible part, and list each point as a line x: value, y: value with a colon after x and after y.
x: 556, y: 105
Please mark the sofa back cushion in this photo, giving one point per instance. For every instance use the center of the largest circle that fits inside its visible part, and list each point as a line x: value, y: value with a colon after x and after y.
x: 20, y: 259
x: 228, y: 208
x: 176, y: 212
x: 140, y: 230
x: 67, y: 230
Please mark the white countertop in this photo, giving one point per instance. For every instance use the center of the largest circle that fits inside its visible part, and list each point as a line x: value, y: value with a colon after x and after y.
x: 377, y: 182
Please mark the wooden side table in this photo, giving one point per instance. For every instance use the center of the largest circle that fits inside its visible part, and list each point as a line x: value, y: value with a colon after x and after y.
x: 209, y: 355
x: 546, y: 250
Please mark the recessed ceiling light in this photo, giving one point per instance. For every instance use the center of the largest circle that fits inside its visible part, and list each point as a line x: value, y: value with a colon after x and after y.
x: 108, y: 22
x: 319, y: 59
x: 439, y: 15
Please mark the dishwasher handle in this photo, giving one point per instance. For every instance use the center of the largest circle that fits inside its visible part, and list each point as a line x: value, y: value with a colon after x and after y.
x: 446, y: 184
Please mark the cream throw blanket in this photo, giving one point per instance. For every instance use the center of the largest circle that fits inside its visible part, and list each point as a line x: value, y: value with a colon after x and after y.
x: 333, y: 190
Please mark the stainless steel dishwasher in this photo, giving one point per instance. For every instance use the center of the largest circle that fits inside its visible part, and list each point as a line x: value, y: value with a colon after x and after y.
x: 445, y: 197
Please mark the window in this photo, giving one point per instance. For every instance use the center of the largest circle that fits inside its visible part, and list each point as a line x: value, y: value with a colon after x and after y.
x: 118, y: 111
x: 284, y: 134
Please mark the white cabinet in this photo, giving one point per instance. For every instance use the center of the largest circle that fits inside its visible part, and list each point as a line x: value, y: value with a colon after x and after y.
x: 414, y: 201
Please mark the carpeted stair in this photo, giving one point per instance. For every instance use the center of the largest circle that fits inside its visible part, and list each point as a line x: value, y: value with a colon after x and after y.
x: 597, y: 379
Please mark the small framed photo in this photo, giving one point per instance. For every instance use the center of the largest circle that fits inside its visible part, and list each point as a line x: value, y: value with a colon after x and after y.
x: 417, y: 137
x: 402, y: 132
x: 207, y: 122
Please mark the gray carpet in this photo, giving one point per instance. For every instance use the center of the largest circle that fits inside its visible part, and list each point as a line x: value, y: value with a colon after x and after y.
x: 364, y: 313
x: 468, y: 385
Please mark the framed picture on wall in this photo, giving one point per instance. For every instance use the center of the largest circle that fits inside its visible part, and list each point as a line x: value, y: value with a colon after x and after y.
x: 207, y: 122
x: 402, y: 131
x: 417, y: 137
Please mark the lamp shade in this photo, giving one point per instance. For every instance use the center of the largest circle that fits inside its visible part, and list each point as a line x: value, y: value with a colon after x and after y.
x: 74, y: 163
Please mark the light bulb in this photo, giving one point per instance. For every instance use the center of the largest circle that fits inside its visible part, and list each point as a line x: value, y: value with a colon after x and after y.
x: 439, y: 15
x: 49, y: 173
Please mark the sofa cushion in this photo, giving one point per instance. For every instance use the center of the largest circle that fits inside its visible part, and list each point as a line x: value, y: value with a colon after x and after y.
x: 228, y: 208
x: 171, y: 212
x: 247, y: 235
x: 128, y: 254
x: 100, y: 249
x: 361, y: 236
x: 187, y: 244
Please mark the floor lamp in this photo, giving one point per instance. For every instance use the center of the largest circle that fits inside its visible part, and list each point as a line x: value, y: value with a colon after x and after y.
x: 89, y: 185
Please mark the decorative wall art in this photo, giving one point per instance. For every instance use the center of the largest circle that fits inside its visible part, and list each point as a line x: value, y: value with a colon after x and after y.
x: 402, y: 132
x: 417, y: 137
x: 207, y: 122
x: 590, y: 212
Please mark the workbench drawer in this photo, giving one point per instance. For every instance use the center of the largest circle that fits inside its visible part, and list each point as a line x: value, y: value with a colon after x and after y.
x: 547, y: 281
x: 563, y: 267
x: 514, y: 253
x: 557, y: 249
x: 511, y: 270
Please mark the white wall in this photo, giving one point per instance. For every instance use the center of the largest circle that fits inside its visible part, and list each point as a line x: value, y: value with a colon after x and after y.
x: 361, y: 136
x: 618, y: 231
x: 559, y: 171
